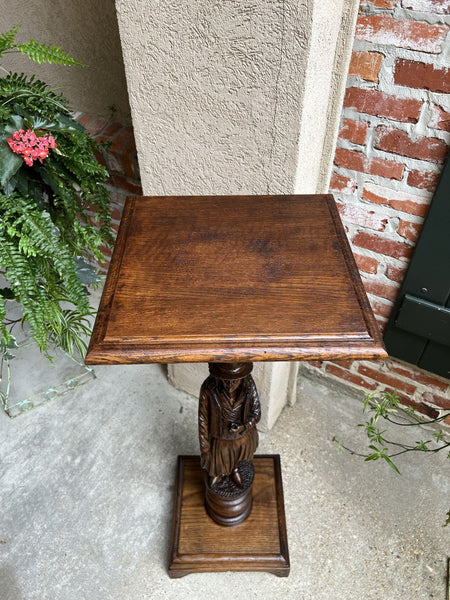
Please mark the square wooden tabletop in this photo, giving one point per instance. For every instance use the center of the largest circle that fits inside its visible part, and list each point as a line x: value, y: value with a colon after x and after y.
x: 232, y: 278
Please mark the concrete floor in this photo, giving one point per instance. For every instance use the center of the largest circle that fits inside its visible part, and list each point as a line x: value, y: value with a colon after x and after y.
x: 86, y: 500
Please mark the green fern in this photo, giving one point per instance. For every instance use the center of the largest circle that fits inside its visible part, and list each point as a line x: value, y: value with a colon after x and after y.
x: 54, y: 215
x: 43, y: 53
x: 37, y: 236
x: 40, y: 269
x: 7, y: 39
x: 26, y: 285
x: 39, y: 53
x: 30, y: 95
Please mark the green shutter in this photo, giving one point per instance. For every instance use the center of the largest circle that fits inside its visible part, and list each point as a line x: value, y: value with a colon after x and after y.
x: 419, y: 328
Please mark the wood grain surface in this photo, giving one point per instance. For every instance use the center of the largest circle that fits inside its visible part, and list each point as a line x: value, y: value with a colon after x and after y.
x: 199, y: 544
x: 226, y: 278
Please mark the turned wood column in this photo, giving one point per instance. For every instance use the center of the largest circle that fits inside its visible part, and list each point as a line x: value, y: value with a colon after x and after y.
x: 229, y: 410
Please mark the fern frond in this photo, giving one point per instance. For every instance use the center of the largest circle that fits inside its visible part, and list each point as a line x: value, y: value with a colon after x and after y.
x: 15, y: 81
x: 37, y: 236
x: 42, y: 273
x: 30, y: 94
x: 7, y: 39
x: 43, y: 53
x: 20, y: 274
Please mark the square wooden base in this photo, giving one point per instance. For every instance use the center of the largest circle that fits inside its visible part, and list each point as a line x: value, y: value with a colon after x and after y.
x: 199, y: 544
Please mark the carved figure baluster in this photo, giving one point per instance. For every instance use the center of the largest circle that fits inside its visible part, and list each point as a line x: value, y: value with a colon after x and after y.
x: 229, y: 410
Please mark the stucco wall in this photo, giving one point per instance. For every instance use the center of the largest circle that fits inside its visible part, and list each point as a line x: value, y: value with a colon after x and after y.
x: 87, y: 30
x: 216, y: 90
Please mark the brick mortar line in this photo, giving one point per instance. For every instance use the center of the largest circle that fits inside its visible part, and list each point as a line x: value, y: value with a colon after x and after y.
x: 417, y: 396
x: 400, y: 52
x: 382, y: 182
x: 378, y: 298
x: 398, y: 185
x: 412, y: 164
x: 396, y: 90
x: 407, y: 219
x: 381, y: 209
x: 355, y: 199
x: 382, y: 279
x: 406, y: 14
x: 414, y: 130
x: 403, y: 14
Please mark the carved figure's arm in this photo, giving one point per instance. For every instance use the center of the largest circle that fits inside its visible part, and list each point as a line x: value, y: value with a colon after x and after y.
x: 203, y: 421
x: 254, y: 414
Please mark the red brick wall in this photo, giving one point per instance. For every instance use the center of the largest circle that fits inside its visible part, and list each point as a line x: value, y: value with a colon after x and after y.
x: 390, y: 152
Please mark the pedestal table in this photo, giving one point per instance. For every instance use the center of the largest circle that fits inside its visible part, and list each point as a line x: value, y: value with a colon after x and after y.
x: 230, y: 280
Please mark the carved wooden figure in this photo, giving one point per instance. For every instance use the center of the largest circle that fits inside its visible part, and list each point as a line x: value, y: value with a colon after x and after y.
x: 229, y: 410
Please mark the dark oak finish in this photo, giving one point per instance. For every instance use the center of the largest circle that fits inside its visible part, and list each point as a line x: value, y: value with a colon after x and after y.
x: 234, y: 278
x: 230, y: 280
x: 228, y: 413
x: 198, y: 544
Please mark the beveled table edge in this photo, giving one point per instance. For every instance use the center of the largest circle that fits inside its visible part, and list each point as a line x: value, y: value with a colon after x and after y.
x: 106, y: 354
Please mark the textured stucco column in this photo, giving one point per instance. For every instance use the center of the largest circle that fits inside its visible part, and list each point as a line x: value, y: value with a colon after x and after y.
x: 236, y: 97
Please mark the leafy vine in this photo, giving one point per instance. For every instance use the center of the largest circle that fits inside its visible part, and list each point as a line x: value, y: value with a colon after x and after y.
x: 385, y: 405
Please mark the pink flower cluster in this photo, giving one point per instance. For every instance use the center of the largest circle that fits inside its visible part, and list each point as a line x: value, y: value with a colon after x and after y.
x: 30, y: 146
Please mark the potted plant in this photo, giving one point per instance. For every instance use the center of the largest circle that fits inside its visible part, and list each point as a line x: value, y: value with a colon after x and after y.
x: 54, y: 207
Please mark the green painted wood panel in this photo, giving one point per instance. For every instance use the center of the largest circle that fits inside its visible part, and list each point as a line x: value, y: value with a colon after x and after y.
x: 426, y: 284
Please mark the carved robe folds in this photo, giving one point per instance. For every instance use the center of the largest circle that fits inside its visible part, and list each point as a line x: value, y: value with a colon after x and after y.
x: 228, y: 413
